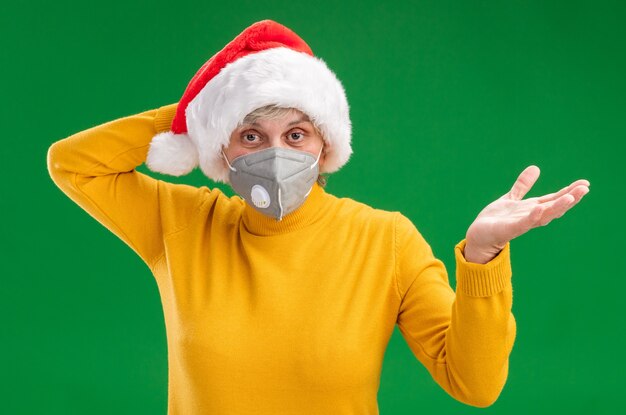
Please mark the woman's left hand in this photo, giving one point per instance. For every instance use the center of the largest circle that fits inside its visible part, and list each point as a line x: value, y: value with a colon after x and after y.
x: 510, y: 216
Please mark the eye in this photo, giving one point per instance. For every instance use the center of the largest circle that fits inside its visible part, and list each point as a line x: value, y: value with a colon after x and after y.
x: 296, y: 136
x: 250, y: 137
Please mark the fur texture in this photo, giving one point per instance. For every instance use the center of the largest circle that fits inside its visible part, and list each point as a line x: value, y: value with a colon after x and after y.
x: 265, y: 64
x: 173, y: 154
x: 278, y: 76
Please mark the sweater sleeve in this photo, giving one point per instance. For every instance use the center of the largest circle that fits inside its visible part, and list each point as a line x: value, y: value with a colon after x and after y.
x: 96, y: 169
x: 464, y: 339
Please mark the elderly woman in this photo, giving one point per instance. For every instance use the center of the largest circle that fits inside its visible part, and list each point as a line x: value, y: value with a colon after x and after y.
x: 282, y: 299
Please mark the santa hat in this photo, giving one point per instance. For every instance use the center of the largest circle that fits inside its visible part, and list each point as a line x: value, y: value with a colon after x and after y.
x: 265, y: 64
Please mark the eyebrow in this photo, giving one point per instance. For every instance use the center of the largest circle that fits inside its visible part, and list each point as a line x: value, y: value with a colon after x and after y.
x: 302, y: 119
x: 298, y: 121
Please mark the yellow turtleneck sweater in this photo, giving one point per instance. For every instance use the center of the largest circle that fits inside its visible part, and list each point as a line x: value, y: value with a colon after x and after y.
x: 289, y: 317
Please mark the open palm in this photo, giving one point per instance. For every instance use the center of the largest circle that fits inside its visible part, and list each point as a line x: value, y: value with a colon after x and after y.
x: 509, y: 216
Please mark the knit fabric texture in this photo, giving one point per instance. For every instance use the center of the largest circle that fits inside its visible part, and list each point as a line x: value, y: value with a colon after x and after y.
x: 289, y: 317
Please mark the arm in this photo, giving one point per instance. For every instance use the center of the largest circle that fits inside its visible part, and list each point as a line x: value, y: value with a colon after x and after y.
x: 463, y: 339
x: 96, y: 169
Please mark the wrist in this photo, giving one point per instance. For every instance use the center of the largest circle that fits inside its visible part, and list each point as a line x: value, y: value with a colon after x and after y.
x: 477, y: 256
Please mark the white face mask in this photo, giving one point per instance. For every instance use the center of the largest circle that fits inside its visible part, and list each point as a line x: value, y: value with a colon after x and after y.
x: 274, y: 181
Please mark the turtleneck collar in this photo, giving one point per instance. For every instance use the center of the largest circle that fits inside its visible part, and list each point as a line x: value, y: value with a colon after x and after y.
x: 311, y: 210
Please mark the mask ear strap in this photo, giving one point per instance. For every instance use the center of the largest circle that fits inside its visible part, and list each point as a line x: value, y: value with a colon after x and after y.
x: 318, y: 157
x: 225, y: 158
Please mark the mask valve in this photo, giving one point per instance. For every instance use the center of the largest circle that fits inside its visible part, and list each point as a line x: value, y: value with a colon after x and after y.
x: 260, y: 196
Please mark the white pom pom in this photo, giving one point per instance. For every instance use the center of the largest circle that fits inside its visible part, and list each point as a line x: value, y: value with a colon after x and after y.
x: 173, y: 154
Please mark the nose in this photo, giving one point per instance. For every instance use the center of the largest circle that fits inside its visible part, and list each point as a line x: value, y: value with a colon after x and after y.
x: 276, y: 141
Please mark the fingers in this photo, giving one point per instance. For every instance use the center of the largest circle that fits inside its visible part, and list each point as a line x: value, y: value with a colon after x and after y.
x: 544, y: 213
x: 566, y: 189
x: 524, y: 182
x: 557, y: 209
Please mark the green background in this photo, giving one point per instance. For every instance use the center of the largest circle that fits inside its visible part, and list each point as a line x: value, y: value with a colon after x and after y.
x: 449, y: 102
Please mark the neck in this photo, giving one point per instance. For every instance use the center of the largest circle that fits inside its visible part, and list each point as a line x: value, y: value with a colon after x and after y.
x: 311, y: 210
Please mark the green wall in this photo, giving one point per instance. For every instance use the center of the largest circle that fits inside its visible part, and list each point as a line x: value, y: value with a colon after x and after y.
x: 449, y: 102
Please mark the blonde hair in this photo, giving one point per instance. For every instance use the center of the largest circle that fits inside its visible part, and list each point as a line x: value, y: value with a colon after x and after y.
x: 269, y: 112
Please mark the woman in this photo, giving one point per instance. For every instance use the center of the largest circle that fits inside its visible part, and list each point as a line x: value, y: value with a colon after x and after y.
x: 283, y: 299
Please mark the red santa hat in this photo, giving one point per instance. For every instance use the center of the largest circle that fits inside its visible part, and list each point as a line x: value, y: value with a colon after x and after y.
x: 265, y: 64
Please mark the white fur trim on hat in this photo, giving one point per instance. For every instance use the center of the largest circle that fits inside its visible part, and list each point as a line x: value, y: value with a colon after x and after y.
x: 279, y: 76
x: 173, y: 154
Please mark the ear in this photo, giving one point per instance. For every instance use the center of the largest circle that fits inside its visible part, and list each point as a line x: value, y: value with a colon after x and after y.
x: 223, y: 159
x: 325, y: 150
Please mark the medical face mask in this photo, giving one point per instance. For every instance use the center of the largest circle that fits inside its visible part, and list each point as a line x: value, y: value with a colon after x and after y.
x: 274, y: 181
